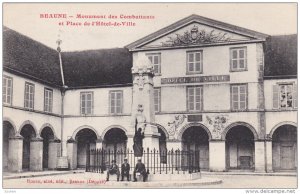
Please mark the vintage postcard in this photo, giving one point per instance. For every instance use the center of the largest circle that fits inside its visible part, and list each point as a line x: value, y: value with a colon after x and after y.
x: 150, y: 95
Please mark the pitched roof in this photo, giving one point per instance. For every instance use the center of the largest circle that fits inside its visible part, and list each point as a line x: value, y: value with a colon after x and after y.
x: 200, y: 19
x: 92, y: 68
x: 27, y: 57
x: 281, y: 56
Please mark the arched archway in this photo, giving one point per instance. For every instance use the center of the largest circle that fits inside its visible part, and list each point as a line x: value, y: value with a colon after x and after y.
x: 28, y: 133
x: 196, y: 139
x: 284, y: 148
x: 86, y: 140
x: 115, y: 142
x: 47, y: 134
x: 8, y: 132
x: 239, y: 143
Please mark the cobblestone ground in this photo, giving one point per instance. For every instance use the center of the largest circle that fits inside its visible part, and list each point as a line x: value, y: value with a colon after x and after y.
x: 93, y: 180
x: 252, y: 181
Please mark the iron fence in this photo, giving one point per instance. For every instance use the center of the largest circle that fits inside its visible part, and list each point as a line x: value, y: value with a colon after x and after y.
x: 156, y: 161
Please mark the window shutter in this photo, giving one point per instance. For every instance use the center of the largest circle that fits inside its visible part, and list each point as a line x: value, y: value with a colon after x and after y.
x: 295, y: 96
x: 45, y: 100
x: 112, y: 102
x: 191, y: 98
x: 201, y: 98
x: 275, y: 97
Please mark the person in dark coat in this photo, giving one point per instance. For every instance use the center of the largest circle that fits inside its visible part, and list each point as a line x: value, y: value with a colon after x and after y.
x: 125, y: 168
x: 113, y: 169
x: 140, y: 168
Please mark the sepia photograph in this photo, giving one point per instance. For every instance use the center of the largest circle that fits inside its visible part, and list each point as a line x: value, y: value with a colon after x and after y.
x: 150, y: 96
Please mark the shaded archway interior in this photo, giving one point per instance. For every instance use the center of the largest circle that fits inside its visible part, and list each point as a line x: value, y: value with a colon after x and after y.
x: 86, y: 140
x: 47, y: 135
x: 8, y: 132
x: 28, y: 133
x: 195, y: 138
x: 240, y: 148
x: 115, y: 139
x: 284, y: 148
x: 115, y: 142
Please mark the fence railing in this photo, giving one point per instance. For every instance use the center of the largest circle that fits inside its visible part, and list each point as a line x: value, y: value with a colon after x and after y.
x: 156, y: 161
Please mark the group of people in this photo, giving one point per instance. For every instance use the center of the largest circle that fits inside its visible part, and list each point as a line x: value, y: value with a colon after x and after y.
x: 125, y: 168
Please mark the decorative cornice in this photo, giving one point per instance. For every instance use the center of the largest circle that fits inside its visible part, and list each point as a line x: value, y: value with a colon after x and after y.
x: 56, y: 140
x: 144, y: 69
x: 17, y: 136
x: 71, y: 140
x: 36, y: 139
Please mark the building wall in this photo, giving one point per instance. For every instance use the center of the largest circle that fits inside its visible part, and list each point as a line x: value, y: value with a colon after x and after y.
x: 215, y: 62
x: 101, y: 101
x: 37, y: 117
x: 277, y: 117
x: 216, y: 95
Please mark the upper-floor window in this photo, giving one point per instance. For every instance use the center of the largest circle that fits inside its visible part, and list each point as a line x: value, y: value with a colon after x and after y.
x: 7, y: 90
x: 157, y: 99
x: 195, y: 98
x: 116, y: 102
x: 29, y: 95
x: 239, y: 97
x: 285, y: 96
x: 48, y: 100
x: 155, y: 60
x: 238, y: 59
x: 194, y: 62
x: 86, y: 103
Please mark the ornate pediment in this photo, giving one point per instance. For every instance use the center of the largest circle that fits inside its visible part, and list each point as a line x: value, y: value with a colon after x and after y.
x: 196, y: 30
x: 194, y: 36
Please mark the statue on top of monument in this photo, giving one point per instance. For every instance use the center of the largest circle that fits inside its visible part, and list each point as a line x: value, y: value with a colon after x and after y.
x: 140, y: 124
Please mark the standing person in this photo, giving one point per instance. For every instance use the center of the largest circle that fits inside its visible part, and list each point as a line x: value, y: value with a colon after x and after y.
x: 113, y: 169
x: 125, y: 168
x: 140, y: 168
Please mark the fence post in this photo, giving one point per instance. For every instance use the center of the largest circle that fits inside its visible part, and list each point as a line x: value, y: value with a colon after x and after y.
x: 148, y: 160
x: 154, y: 160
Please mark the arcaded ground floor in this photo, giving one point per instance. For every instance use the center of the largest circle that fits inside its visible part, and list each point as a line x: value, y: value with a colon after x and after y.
x: 238, y: 149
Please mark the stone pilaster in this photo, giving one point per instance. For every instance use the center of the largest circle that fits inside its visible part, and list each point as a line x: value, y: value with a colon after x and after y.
x: 217, y: 156
x: 54, y: 147
x: 269, y: 157
x: 15, y: 153
x: 260, y: 91
x: 36, y: 154
x: 72, y: 153
x: 259, y: 156
x: 99, y: 144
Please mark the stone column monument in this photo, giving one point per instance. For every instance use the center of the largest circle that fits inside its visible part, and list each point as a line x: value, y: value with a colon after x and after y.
x: 143, y: 116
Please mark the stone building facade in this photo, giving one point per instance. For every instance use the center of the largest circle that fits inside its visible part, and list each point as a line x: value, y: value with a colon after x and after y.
x: 226, y: 91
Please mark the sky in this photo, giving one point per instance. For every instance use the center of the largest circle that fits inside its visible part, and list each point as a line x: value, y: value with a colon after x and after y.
x: 268, y: 18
